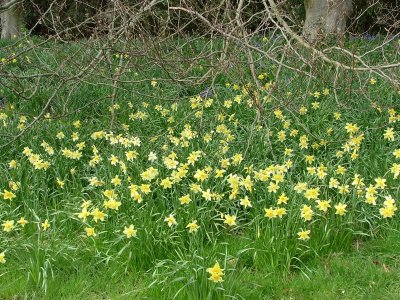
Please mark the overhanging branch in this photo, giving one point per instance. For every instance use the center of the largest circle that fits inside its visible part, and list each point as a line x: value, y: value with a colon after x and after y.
x: 9, y: 4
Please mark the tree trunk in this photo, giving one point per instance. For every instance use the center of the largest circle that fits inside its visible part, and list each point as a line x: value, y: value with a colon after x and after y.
x: 11, y: 21
x: 326, y: 17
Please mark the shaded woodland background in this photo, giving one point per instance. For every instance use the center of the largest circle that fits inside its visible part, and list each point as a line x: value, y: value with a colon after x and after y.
x: 46, y: 17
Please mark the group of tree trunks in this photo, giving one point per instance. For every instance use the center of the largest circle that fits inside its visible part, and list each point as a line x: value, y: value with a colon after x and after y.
x: 323, y: 17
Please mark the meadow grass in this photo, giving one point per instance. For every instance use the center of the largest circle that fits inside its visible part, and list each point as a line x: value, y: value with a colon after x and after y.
x: 370, y: 270
x: 189, y: 197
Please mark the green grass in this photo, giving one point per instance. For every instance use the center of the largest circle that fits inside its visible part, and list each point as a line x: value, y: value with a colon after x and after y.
x: 369, y: 271
x: 350, y: 256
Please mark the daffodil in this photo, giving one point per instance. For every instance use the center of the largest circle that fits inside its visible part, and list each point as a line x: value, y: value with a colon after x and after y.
x: 90, y: 231
x: 130, y: 231
x: 170, y: 220
x: 192, y: 226
x: 45, y: 225
x: 230, y: 220
x: 340, y: 209
x: 304, y: 235
x: 7, y: 195
x: 216, y: 273
x: 8, y: 225
x: 2, y: 257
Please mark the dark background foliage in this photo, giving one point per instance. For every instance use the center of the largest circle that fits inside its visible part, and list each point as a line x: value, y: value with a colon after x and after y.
x: 370, y: 17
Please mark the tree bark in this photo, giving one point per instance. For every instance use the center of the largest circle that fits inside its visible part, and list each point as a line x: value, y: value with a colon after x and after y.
x: 11, y: 20
x: 326, y: 17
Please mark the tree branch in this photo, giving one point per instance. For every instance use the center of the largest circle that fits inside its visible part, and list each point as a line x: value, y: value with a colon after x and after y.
x: 9, y: 4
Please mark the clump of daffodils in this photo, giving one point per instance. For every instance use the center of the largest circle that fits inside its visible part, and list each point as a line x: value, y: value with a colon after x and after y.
x: 186, y: 183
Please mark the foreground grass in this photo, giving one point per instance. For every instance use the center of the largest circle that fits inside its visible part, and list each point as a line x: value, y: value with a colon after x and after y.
x: 369, y: 271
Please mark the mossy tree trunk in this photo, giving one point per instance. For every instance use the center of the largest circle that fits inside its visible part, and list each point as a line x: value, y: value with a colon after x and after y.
x: 326, y: 17
x: 11, y: 18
